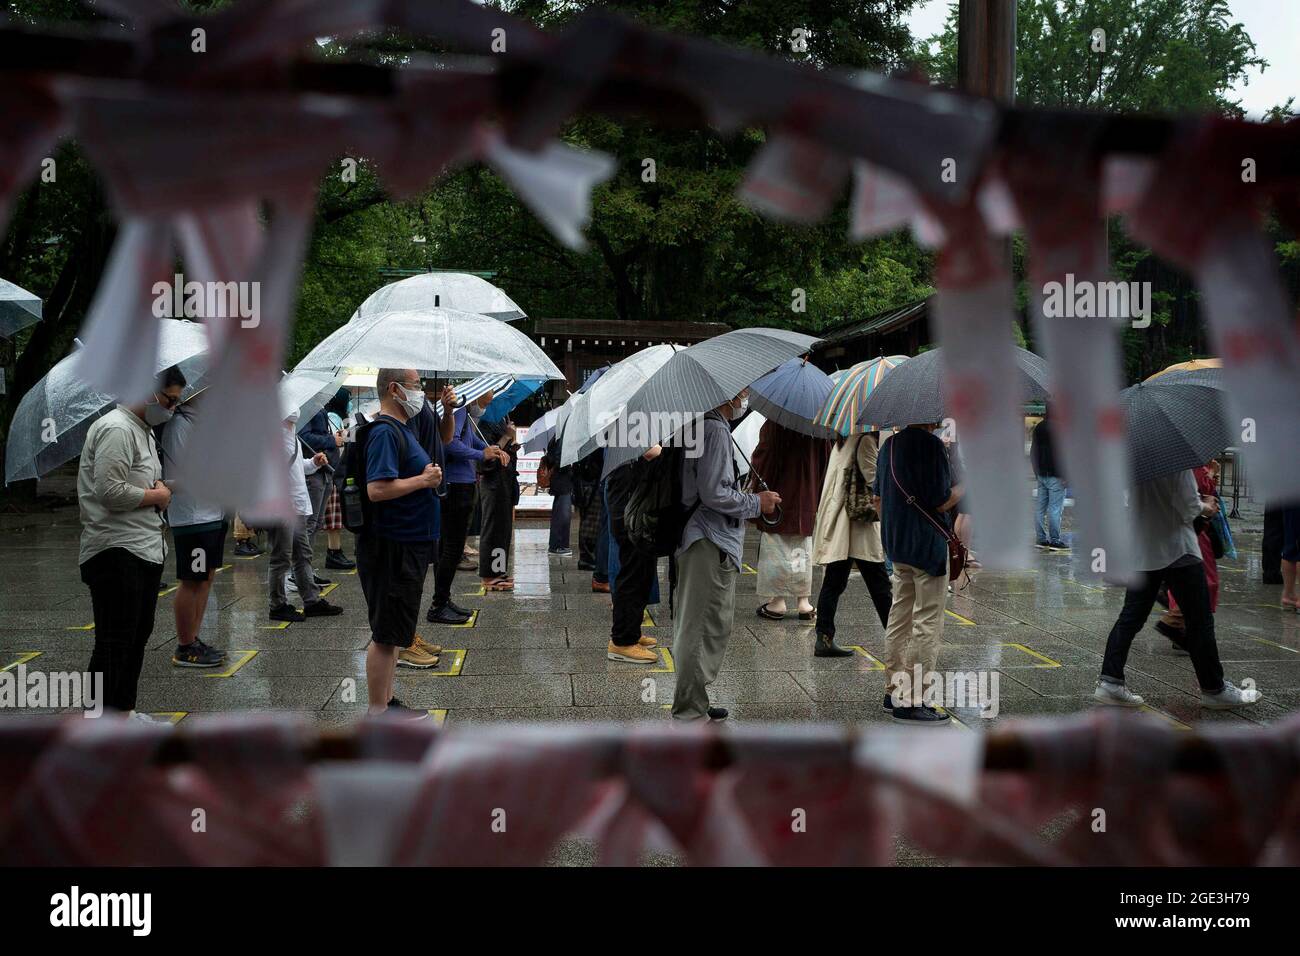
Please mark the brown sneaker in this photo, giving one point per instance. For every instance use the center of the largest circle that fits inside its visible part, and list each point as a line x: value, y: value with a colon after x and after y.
x: 646, y: 641
x: 425, y: 646
x: 632, y: 654
x: 599, y: 587
x: 416, y: 656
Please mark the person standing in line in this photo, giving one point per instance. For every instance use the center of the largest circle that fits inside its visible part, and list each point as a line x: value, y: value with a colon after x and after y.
x: 1290, y: 552
x: 708, y: 561
x: 336, y: 414
x: 586, y: 481
x: 464, y: 450
x: 290, y: 545
x: 1171, y: 623
x: 498, y: 495
x: 561, y: 501
x: 794, y: 465
x: 121, y: 497
x: 915, y: 488
x: 318, y: 437
x: 396, y: 545
x: 634, y: 585
x: 245, y: 540
x: 199, y: 535
x: 847, y: 534
x: 1163, y: 512
x: 1051, y: 488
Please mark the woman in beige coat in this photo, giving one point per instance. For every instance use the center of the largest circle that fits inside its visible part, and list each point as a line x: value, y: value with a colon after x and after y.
x: 840, y: 541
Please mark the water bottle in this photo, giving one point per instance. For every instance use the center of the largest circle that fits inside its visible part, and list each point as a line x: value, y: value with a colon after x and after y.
x: 353, y: 515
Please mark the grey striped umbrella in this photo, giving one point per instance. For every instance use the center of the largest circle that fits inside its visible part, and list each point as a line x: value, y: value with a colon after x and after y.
x: 1176, y: 422
x: 694, y: 381
x: 913, y: 394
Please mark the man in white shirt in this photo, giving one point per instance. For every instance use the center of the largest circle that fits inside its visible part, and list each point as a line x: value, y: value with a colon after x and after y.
x: 290, y: 545
x: 1163, y: 511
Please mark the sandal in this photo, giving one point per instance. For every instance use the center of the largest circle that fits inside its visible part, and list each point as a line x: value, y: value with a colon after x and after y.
x: 769, y: 615
x: 499, y: 584
x: 808, y: 615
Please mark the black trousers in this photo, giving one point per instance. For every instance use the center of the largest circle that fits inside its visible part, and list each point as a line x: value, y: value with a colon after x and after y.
x: 636, y: 576
x: 1187, y: 585
x: 457, y: 508
x: 1270, y: 546
x: 124, y: 595
x: 836, y: 579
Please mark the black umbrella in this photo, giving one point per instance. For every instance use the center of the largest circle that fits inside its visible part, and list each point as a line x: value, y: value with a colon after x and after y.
x: 697, y: 380
x: 912, y: 394
x: 1175, y: 422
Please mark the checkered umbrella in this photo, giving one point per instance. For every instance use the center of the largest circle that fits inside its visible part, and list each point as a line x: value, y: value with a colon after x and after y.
x: 841, y: 414
x: 1176, y: 422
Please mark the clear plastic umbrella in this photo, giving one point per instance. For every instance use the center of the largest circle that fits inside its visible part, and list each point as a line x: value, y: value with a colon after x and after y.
x: 592, y: 411
x: 443, y: 342
x: 442, y: 290
x: 308, y: 392
x: 18, y: 308
x: 52, y: 419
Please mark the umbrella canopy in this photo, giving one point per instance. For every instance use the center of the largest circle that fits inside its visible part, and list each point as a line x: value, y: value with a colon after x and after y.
x: 792, y: 394
x: 307, y: 392
x: 696, y: 380
x: 443, y: 342
x: 504, y: 401
x: 477, y: 387
x: 1177, y: 422
x: 1191, y: 366
x: 442, y: 290
x: 592, y: 379
x: 913, y: 392
x: 50, y: 424
x: 842, y: 413
x: 18, y: 308
x: 593, y: 410
x: 542, y: 431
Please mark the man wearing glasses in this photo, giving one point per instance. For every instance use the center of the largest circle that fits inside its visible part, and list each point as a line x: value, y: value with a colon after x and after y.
x: 122, y: 500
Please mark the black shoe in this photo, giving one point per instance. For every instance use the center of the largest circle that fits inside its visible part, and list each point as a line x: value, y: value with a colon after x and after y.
x: 246, y: 549
x: 197, y: 654
x: 287, y: 612
x: 399, y: 710
x: 921, y: 716
x: 826, y: 647
x: 889, y: 701
x: 321, y: 608
x: 445, y: 615
x: 586, y: 566
x: 320, y: 581
x: 717, y: 713
x: 339, y: 561
x: 1272, y: 579
x: 561, y: 552
x: 459, y: 610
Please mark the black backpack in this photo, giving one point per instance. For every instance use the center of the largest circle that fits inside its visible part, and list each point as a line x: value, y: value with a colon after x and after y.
x: 655, y: 516
x: 355, y: 503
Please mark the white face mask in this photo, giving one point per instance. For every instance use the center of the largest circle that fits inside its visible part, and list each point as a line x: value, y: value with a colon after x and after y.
x: 155, y: 414
x: 476, y: 411
x: 738, y: 413
x: 411, y: 400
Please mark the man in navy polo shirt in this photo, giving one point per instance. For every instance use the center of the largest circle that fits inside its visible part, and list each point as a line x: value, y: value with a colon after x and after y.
x: 400, y: 534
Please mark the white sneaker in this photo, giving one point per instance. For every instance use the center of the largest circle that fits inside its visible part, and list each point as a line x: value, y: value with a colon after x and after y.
x: 1116, y: 695
x: 145, y: 718
x: 290, y: 584
x: 1231, y: 696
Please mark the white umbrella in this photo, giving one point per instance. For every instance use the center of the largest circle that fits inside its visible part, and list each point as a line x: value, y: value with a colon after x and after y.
x: 442, y: 342
x: 18, y: 308
x: 442, y: 290
x: 542, y: 431
x: 52, y: 419
x: 594, y: 410
x: 307, y: 392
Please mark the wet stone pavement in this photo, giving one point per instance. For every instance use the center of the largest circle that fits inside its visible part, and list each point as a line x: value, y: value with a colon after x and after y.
x: 539, y: 653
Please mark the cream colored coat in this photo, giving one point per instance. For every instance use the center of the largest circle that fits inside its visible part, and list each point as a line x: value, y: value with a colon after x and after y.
x: 835, y: 536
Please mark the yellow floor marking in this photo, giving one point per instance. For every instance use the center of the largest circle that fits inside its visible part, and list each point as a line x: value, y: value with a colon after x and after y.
x: 668, y: 659
x: 439, y: 716
x: 473, y: 619
x: 277, y: 626
x: 173, y: 716
x: 328, y: 588
x: 240, y: 557
x: 87, y: 627
x: 481, y: 592
x: 245, y: 657
x: 1275, y: 644
x: 953, y: 719
x: 964, y: 621
x: 876, y: 665
x: 353, y: 571
x: 23, y: 658
x: 174, y: 587
x: 647, y: 620
x: 224, y: 567
x: 1178, y: 724
x: 746, y: 569
x: 456, y: 665
x: 1047, y: 661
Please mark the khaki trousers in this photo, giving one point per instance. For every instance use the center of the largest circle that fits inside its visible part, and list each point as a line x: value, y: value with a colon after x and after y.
x: 704, y: 605
x: 913, y: 633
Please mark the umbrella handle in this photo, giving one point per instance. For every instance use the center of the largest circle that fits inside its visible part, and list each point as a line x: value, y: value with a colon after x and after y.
x: 775, y: 517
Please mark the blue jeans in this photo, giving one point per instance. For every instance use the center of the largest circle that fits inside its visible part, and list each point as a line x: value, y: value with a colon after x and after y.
x: 561, y: 519
x: 1051, y: 502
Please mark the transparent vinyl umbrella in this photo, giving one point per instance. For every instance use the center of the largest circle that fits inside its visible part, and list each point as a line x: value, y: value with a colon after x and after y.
x: 18, y: 308
x: 592, y: 411
x: 442, y: 290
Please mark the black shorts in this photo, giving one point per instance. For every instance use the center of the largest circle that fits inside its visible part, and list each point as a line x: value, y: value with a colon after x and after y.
x: 201, y: 549
x: 392, y: 579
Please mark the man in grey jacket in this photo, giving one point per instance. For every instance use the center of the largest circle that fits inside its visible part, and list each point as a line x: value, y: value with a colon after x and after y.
x: 708, y: 560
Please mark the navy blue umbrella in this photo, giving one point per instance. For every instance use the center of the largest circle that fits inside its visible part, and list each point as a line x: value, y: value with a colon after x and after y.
x: 792, y: 395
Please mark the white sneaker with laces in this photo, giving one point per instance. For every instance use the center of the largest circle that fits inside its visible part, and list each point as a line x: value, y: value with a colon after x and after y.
x: 1116, y: 695
x: 1231, y: 696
